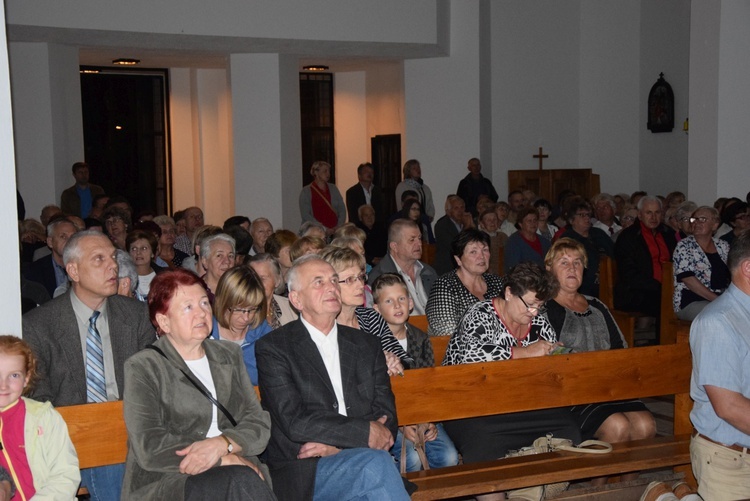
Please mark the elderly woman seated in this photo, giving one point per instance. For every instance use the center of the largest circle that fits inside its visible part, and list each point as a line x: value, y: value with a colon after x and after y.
x: 376, y: 236
x: 454, y: 292
x: 217, y: 256
x: 117, y: 224
x: 195, y: 426
x: 173, y: 257
x: 240, y: 313
x: 583, y: 323
x: 700, y: 265
x: 507, y: 327
x: 278, y: 310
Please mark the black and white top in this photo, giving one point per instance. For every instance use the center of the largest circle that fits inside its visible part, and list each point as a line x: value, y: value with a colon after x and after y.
x: 483, y: 337
x: 449, y: 300
x: 371, y: 322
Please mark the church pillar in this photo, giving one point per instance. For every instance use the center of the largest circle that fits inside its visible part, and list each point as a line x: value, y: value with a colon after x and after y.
x: 266, y: 142
x: 719, y: 108
x: 48, y: 125
x: 10, y: 307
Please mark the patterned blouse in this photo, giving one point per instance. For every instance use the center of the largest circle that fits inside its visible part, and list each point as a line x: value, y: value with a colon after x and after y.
x: 483, y: 337
x: 371, y: 322
x: 449, y: 300
x: 690, y: 261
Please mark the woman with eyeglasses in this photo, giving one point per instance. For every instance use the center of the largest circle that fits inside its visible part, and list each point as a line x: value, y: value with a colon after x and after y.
x: 350, y: 267
x: 508, y: 327
x: 700, y: 265
x: 173, y: 257
x: 583, y: 323
x: 141, y: 246
x: 240, y: 313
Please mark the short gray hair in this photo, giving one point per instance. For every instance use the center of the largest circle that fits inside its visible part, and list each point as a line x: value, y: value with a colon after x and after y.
x: 292, y: 276
x: 646, y: 199
x: 126, y: 269
x: 72, y: 250
x: 208, y: 242
x: 394, y: 231
x: 604, y: 197
x: 57, y: 222
x: 307, y: 225
x: 164, y: 220
x: 685, y: 209
x: 265, y: 257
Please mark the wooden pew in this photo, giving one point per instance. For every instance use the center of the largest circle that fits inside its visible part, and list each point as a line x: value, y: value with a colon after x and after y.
x: 671, y: 327
x: 454, y: 392
x: 607, y: 277
x: 446, y: 393
x: 439, y: 343
x: 428, y: 253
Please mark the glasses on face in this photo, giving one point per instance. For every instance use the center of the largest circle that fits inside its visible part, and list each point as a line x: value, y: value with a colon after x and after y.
x: 113, y: 220
x: 354, y: 279
x: 245, y: 311
x: 531, y: 309
x: 701, y: 219
x: 584, y: 215
x: 628, y: 218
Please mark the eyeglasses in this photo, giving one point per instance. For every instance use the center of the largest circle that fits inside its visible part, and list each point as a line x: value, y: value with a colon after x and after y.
x: 628, y: 218
x: 354, y: 279
x: 245, y: 311
x: 701, y: 219
x: 539, y: 309
x: 584, y: 215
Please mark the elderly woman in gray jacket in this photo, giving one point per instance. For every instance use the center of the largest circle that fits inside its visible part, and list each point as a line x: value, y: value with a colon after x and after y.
x: 195, y: 425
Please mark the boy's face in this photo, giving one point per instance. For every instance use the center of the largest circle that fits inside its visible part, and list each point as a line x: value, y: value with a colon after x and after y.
x: 394, y: 304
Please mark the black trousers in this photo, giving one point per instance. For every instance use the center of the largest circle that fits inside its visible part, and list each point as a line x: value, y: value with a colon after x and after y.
x: 228, y: 483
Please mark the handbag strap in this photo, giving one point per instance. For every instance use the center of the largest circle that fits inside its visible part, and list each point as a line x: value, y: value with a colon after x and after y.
x: 205, y: 392
x: 606, y: 447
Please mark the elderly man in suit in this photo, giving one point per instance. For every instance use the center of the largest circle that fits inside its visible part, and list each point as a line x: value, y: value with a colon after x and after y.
x: 326, y: 387
x: 82, y: 339
x: 50, y: 270
x: 403, y: 258
x: 364, y: 193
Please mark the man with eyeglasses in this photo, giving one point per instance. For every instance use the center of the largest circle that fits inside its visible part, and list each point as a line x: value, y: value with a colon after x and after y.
x: 640, y: 251
x: 594, y: 240
x: 326, y: 387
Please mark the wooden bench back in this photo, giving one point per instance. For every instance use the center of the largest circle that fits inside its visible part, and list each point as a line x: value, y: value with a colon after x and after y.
x: 439, y: 343
x: 455, y: 392
x: 607, y: 277
x: 98, y: 433
x: 428, y: 253
x: 670, y: 326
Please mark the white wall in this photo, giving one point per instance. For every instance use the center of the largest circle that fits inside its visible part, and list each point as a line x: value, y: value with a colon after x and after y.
x: 384, y: 93
x: 733, y: 162
x: 350, y: 127
x: 10, y: 307
x: 665, y: 42
x: 609, y: 93
x: 48, y: 123
x: 535, y: 85
x: 442, y: 107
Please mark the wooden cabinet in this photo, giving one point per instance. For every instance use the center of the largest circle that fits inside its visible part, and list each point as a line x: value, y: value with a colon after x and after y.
x: 550, y: 183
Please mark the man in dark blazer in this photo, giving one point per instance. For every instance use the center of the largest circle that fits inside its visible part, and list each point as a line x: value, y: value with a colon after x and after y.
x: 327, y: 389
x: 358, y: 195
x: 403, y: 258
x: 637, y: 248
x: 78, y: 200
x: 447, y: 227
x: 57, y: 333
x: 50, y: 270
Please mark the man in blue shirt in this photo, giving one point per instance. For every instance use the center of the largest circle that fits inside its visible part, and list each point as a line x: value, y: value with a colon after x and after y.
x: 77, y: 200
x: 720, y: 386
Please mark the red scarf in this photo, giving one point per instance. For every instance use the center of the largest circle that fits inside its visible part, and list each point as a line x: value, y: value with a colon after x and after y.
x: 321, y: 206
x: 657, y: 247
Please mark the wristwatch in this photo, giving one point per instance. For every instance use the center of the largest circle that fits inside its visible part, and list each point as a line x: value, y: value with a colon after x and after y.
x: 230, y: 447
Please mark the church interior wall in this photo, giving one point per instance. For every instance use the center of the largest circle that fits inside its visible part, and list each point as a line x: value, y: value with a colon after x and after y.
x: 350, y: 127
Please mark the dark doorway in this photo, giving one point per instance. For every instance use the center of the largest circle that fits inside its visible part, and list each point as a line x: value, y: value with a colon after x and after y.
x: 125, y: 134
x: 386, y: 160
x: 316, y: 110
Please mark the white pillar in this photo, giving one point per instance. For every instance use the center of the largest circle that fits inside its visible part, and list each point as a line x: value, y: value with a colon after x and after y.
x: 266, y: 141
x: 48, y: 120
x: 10, y: 306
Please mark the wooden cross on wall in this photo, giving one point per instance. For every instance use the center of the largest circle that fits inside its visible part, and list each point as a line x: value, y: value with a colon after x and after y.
x: 541, y: 157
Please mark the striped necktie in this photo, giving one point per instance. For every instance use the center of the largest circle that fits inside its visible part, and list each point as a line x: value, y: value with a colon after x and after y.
x: 96, y: 390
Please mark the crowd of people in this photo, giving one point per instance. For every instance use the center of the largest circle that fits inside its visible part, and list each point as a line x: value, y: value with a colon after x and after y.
x: 136, y: 308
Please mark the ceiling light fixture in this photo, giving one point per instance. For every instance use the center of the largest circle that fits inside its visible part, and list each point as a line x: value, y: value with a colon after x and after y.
x: 126, y: 61
x: 315, y: 67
